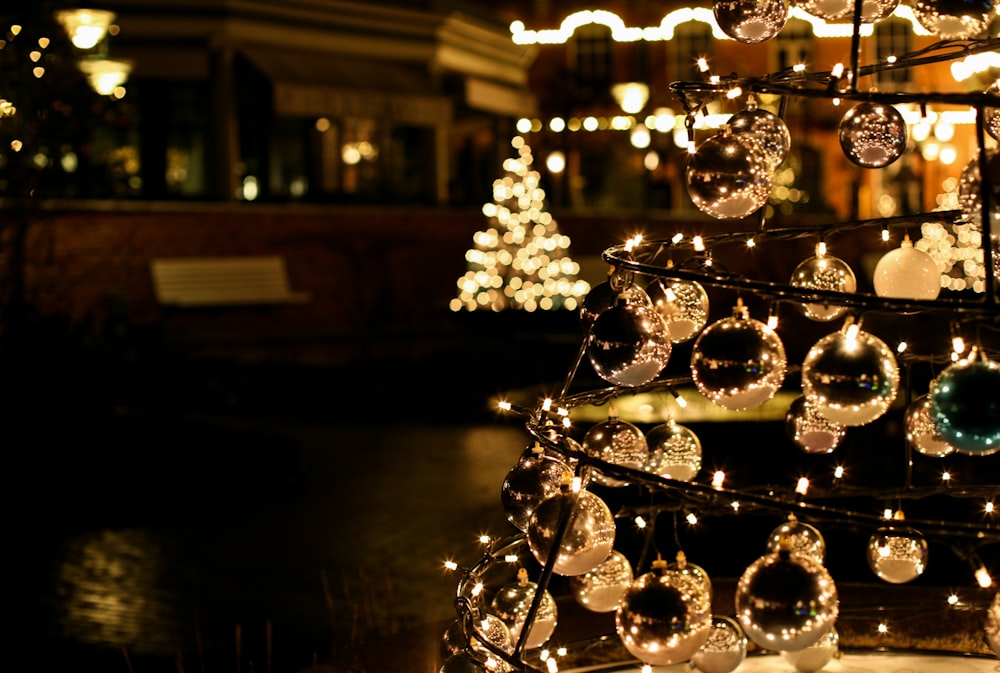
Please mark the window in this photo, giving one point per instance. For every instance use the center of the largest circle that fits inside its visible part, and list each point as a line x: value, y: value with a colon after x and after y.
x: 591, y: 59
x: 692, y: 41
x: 892, y: 38
x: 795, y: 44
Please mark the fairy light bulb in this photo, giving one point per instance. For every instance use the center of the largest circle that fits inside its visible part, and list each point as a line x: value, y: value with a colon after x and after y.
x: 802, y: 487
x: 983, y: 577
x: 718, y: 479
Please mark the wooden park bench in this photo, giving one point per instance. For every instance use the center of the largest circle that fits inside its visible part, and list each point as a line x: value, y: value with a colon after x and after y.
x: 222, y: 281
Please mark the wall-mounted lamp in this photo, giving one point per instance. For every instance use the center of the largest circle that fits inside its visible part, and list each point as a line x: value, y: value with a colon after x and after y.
x: 106, y: 76
x: 85, y: 27
x: 631, y: 96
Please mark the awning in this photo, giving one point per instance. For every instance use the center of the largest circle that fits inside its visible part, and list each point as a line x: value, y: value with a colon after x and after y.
x: 310, y: 84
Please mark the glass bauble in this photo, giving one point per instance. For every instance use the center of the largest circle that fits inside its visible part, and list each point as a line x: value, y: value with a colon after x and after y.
x: 512, y: 603
x: 683, y: 305
x: 693, y: 572
x: 615, y: 290
x: 764, y: 129
x: 600, y: 589
x: 724, y: 649
x: 534, y: 478
x: 991, y: 115
x: 727, y: 177
x: 907, y: 273
x: 897, y: 554
x: 463, y: 662
x: 873, y: 11
x: 495, y: 631
x: 954, y: 19
x: 965, y: 406
x: 810, y: 431
x: 617, y: 442
x: 589, y: 535
x: 629, y: 344
x: 738, y: 362
x: 771, y: 599
x: 970, y: 191
x: 674, y: 451
x: 921, y: 432
x: 992, y: 627
x: 664, y: 617
x: 831, y: 10
x: 872, y: 135
x: 850, y: 378
x: 816, y: 656
x: 798, y: 537
x: 751, y: 21
x: 827, y: 273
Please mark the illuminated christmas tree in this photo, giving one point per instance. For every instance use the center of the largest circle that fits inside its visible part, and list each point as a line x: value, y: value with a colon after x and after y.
x: 521, y: 261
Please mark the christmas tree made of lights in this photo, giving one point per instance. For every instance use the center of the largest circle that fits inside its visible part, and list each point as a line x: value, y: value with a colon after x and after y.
x: 521, y: 261
x: 615, y: 521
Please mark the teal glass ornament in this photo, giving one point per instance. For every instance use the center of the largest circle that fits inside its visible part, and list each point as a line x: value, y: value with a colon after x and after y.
x: 965, y: 406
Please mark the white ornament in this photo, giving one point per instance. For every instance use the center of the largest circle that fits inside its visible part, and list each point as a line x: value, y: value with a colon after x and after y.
x: 907, y: 273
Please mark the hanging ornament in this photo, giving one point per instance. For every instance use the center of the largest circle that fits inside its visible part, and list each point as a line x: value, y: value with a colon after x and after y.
x: 799, y: 537
x: 810, y: 431
x: 600, y: 589
x: 897, y: 553
x: 965, y: 406
x: 629, y: 344
x: 534, y: 478
x: 873, y: 135
x: 921, y: 432
x: 828, y: 273
x: 764, y: 129
x: 724, y: 649
x: 589, y: 533
x: 992, y: 627
x: 786, y: 601
x: 816, y: 656
x: 694, y: 572
x: 495, y: 631
x: 954, y: 19
x: 850, y: 376
x: 831, y: 10
x: 464, y: 662
x: 907, y: 273
x: 970, y: 191
x: 683, y: 305
x: 873, y: 11
x: 751, y: 21
x: 664, y: 617
x: 991, y: 115
x: 619, y: 288
x: 738, y: 362
x: 512, y: 603
x: 674, y: 451
x: 727, y: 177
x: 617, y: 442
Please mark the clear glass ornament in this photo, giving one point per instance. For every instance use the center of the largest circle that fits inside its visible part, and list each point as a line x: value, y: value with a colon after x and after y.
x: 897, y: 554
x: 810, y: 431
x: 629, y: 344
x: 674, y: 451
x: 992, y: 626
x: 921, y: 432
x: 617, y: 442
x: 991, y: 115
x: 873, y: 11
x: 954, y: 19
x: 816, y: 656
x: 600, y: 589
x: 970, y: 195
x: 965, y: 406
x: 850, y: 377
x: 750, y: 21
x: 683, y: 305
x: 798, y: 537
x: 907, y: 273
x: 738, y: 362
x: 724, y: 649
x: 771, y: 594
x: 727, y: 177
x: 495, y: 631
x: 617, y: 289
x: 463, y: 662
x: 694, y: 572
x: 589, y: 535
x: 828, y: 273
x: 872, y: 135
x: 534, y: 478
x: 512, y: 603
x: 764, y: 129
x: 831, y: 10
x: 664, y: 617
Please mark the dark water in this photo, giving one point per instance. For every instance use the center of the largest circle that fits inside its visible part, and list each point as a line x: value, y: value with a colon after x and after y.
x: 242, y: 545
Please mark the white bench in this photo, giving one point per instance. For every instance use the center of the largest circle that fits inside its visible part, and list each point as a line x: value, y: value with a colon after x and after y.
x: 222, y: 281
